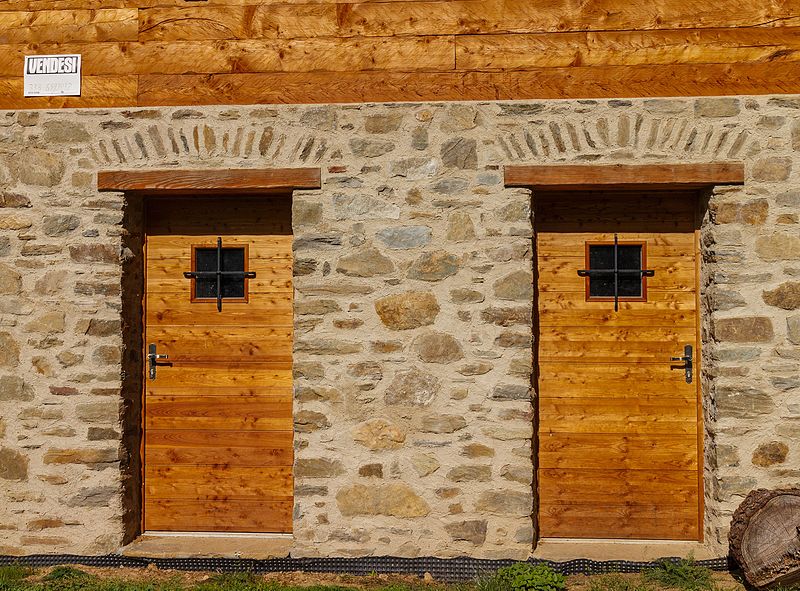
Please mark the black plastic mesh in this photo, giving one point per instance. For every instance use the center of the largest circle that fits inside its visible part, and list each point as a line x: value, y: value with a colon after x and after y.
x: 442, y: 569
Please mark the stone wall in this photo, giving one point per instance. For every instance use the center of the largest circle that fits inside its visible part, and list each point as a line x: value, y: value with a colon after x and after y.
x: 413, y: 405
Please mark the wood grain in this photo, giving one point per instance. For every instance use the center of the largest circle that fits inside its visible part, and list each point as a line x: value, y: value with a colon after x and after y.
x: 225, y: 515
x: 59, y: 26
x: 195, y: 181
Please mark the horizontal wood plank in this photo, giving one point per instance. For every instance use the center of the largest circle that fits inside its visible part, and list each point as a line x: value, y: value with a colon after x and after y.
x: 96, y: 91
x: 241, y: 180
x: 59, y: 26
x: 229, y: 516
x: 601, y: 486
x: 232, y: 448
x: 618, y: 415
x: 219, y: 483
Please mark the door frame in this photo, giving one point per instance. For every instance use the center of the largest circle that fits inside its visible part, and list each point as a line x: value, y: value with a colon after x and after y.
x: 144, y: 184
x: 577, y: 177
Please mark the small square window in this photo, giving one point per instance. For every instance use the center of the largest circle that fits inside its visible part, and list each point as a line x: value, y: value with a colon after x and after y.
x: 626, y: 270
x: 232, y: 267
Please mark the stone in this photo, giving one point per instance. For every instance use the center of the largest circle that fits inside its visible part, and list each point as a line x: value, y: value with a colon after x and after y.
x: 460, y: 117
x: 327, y: 347
x: 14, y: 221
x: 305, y: 213
x: 51, y: 282
x: 786, y: 296
x: 405, y: 237
x: 460, y: 153
x: 383, y: 123
x: 511, y: 392
x: 391, y: 500
x: 515, y: 340
x: 367, y: 262
x: 103, y: 328
x: 477, y: 368
x: 49, y: 323
x: 309, y: 241
x: 473, y: 531
x: 752, y: 213
x: 778, y: 246
x: 793, y: 329
x: 460, y: 227
x: 13, y: 388
x: 470, y: 473
x: 95, y: 496
x: 371, y: 471
x: 304, y: 267
x: 316, y: 307
x: 505, y: 502
x: 716, y: 107
x: 477, y: 450
x: 772, y: 169
x: 370, y: 148
x: 450, y: 186
x: 414, y: 169
x: 98, y: 412
x: 13, y: 465
x: 425, y: 464
x: 307, y: 490
x: 86, y: 456
x: 437, y: 347
x: 379, y: 434
x: 59, y: 225
x: 308, y: 421
x: 364, y: 207
x: 34, y: 166
x: 516, y: 286
x: 10, y: 281
x: 725, y: 299
x: 419, y: 138
x: 317, y: 394
x: 507, y: 316
x: 412, y: 387
x: 94, y: 253
x: 464, y: 295
x: 434, y: 266
x: 521, y: 474
x: 9, y: 350
x: 742, y: 402
x: 366, y: 369
x: 317, y: 468
x: 440, y: 423
x: 8, y: 199
x: 107, y: 355
x: 747, y: 329
x: 102, y: 434
x: 404, y: 311
x: 770, y: 454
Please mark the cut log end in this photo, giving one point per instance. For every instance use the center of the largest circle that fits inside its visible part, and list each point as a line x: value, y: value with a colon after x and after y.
x: 765, y: 537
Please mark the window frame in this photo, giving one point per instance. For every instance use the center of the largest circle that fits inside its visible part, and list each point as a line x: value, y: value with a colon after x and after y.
x: 590, y: 243
x: 193, y: 290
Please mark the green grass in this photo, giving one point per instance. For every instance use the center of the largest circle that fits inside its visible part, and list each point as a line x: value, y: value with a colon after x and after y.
x: 684, y: 575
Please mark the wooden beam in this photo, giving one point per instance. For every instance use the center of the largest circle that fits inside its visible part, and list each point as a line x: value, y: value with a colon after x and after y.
x: 621, y: 176
x: 210, y: 181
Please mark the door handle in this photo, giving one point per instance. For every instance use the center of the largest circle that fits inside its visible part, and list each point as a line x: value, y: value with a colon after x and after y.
x: 687, y: 362
x: 152, y: 357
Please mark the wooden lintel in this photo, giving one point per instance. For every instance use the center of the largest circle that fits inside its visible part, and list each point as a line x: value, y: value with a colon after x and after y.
x: 210, y: 181
x: 620, y: 176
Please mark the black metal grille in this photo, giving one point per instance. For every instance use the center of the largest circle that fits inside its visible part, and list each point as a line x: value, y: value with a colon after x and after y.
x: 442, y: 569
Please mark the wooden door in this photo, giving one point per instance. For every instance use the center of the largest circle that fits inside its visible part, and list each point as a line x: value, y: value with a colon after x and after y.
x: 619, y: 427
x: 218, y: 413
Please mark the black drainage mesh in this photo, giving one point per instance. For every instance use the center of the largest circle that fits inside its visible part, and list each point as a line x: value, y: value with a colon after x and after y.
x: 443, y: 569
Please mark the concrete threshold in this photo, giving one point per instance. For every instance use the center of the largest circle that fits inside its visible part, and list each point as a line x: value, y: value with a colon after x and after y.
x: 561, y: 549
x: 209, y: 545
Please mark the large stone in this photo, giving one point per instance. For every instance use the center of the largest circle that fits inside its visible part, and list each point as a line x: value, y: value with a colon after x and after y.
x: 13, y: 465
x: 14, y: 221
x: 425, y: 464
x: 747, y: 329
x: 392, y: 500
x: 473, y: 531
x: 385, y: 123
x: 464, y: 295
x: 793, y: 329
x: 511, y: 392
x: 10, y: 281
x: 364, y: 207
x: 327, y: 347
x: 405, y: 237
x: 772, y: 169
x: 98, y: 412
x: 379, y: 434
x: 48, y: 323
x: 407, y: 310
x: 64, y: 132
x: 95, y: 496
x: 316, y: 307
x: 370, y: 148
x: 516, y: 286
x: 438, y: 347
x: 9, y: 350
x: 785, y: 296
x: 440, y: 423
x: 778, y: 246
x: 507, y: 316
x: 434, y: 266
x: 505, y: 502
x: 306, y: 213
x: 521, y: 474
x: 317, y: 468
x: 742, y: 402
x: 477, y: 450
x: 476, y: 368
x: 716, y: 107
x: 34, y: 166
x: 770, y: 454
x: 412, y: 387
x: 414, y: 169
x: 460, y: 117
x: 99, y: 327
x: 308, y: 421
x: 367, y: 262
x: 753, y: 213
x: 461, y: 153
x: 470, y: 473
x: 8, y: 199
x: 88, y: 456
x: 460, y: 227
x: 94, y: 253
x: 13, y: 388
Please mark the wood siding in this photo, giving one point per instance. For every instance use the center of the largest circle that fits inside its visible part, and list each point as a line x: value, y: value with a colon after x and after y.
x: 169, y: 52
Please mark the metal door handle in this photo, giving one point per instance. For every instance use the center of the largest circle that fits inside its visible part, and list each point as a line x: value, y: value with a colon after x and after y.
x: 152, y: 357
x: 687, y: 362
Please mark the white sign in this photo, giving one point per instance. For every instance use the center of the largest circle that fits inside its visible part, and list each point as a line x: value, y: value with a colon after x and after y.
x: 52, y: 75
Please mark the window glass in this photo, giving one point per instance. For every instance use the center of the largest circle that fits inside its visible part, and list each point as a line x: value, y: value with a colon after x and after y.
x: 206, y: 262
x: 629, y: 258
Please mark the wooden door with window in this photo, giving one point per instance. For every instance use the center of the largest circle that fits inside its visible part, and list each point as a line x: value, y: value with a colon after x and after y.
x: 218, y: 409
x: 619, y: 421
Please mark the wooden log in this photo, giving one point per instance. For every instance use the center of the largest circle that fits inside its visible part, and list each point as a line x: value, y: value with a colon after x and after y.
x: 765, y: 537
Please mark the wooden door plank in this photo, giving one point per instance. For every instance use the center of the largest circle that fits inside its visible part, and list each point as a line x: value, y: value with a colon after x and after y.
x: 219, y: 483
x: 615, y: 451
x: 224, y: 413
x: 229, y: 515
x: 617, y: 415
x: 232, y: 448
